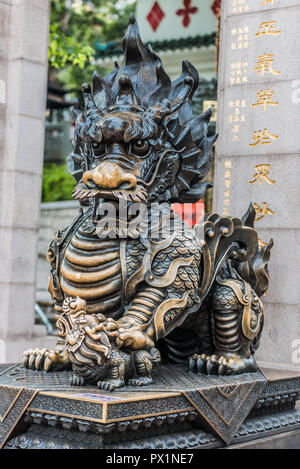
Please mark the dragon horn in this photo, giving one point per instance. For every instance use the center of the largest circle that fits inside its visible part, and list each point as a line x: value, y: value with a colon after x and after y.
x: 183, y: 95
x: 77, y: 111
x: 126, y: 91
x: 166, y: 108
x: 157, y: 113
x: 89, y: 100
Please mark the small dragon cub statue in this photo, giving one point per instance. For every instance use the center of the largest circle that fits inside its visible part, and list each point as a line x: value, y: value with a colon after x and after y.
x: 123, y: 291
x: 89, y: 340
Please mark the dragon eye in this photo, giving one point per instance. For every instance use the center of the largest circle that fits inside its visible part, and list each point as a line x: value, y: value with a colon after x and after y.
x: 140, y: 147
x: 98, y: 148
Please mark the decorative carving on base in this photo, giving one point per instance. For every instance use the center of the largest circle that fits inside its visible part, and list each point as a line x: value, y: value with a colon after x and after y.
x: 180, y: 410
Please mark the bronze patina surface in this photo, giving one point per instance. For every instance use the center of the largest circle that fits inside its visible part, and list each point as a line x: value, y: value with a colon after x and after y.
x: 177, y: 311
x: 136, y: 296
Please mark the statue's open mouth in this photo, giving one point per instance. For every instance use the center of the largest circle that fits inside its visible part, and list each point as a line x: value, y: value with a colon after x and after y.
x: 139, y: 194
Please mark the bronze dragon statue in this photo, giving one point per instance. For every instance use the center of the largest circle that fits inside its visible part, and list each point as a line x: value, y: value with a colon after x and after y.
x: 191, y: 293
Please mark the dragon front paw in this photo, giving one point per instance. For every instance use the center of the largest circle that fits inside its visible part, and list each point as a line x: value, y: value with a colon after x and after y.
x: 35, y: 359
x: 221, y: 364
x: 46, y: 360
x: 133, y: 338
x: 110, y: 385
x: 140, y: 381
x: 76, y: 380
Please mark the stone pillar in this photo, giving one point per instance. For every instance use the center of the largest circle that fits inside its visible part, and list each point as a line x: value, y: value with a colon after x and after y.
x: 24, y: 26
x: 258, y: 152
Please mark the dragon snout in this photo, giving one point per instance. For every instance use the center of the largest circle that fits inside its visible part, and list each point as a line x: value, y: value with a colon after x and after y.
x: 109, y: 175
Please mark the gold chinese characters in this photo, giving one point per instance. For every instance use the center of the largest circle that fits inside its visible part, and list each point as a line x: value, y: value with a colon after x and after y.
x: 227, y: 184
x: 238, y: 73
x: 261, y: 243
x: 240, y: 37
x: 262, y: 211
x: 264, y: 99
x: 240, y: 6
x: 264, y: 137
x: 267, y: 27
x: 265, y: 65
x: 265, y: 2
x: 237, y: 117
x: 262, y: 174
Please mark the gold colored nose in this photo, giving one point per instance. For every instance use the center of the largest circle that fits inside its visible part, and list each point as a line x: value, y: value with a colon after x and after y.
x: 109, y: 175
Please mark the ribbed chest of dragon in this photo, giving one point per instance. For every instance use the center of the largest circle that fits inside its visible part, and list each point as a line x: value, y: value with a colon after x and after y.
x: 91, y: 269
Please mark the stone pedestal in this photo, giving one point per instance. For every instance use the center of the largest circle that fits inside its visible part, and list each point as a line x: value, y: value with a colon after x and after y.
x: 257, y: 158
x: 24, y: 29
x: 179, y: 411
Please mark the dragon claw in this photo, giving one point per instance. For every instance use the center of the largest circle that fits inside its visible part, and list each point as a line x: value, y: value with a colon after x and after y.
x: 221, y: 364
x: 44, y: 359
x: 76, y: 380
x: 48, y: 363
x: 211, y: 364
x: 141, y: 381
x: 200, y: 363
x: 192, y: 362
x: 110, y: 385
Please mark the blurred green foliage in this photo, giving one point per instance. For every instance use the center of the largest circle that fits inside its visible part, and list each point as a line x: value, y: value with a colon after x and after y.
x: 66, y: 50
x: 76, y: 27
x: 58, y: 183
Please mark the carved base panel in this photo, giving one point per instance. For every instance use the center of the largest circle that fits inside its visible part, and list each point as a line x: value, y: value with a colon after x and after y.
x: 180, y: 410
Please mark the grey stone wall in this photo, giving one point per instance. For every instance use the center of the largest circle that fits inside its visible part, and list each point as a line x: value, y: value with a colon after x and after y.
x: 259, y: 62
x: 54, y: 216
x: 24, y: 29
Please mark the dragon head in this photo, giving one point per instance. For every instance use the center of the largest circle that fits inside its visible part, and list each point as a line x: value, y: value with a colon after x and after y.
x: 137, y: 138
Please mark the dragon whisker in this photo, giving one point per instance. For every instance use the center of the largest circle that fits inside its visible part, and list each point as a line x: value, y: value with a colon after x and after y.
x: 165, y: 153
